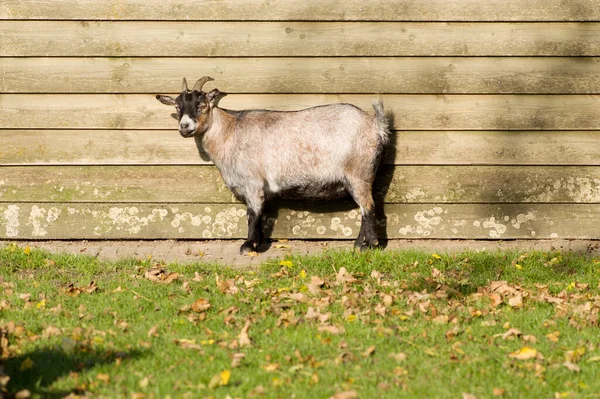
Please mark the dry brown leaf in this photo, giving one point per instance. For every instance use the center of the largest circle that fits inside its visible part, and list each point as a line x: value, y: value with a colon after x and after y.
x: 516, y: 301
x: 495, y: 298
x: 153, y: 331
x: 187, y: 344
x: 509, y: 334
x: 343, y: 277
x: 314, y: 287
x: 380, y: 310
x: 244, y: 338
x: 369, y: 351
x: 237, y: 359
x: 345, y: 395
x: 269, y: 368
x: 200, y: 305
x: 105, y: 378
x: 498, y: 391
x: 23, y: 394
x: 572, y: 367
x: 553, y: 337
x: 399, y: 357
x: 331, y: 329
x: 466, y: 395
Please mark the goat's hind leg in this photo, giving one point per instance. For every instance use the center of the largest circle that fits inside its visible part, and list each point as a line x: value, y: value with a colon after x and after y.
x: 362, y: 193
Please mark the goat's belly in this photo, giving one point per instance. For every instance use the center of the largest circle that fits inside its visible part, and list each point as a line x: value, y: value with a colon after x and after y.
x: 318, y: 192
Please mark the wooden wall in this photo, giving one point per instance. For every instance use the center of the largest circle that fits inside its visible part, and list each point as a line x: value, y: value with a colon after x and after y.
x: 495, y: 104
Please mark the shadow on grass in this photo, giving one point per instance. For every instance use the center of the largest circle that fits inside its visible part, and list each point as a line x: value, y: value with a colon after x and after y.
x: 37, y: 370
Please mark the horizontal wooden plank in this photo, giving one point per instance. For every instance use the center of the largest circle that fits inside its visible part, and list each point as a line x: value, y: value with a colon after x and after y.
x: 277, y: 39
x: 495, y: 75
x: 167, y: 147
x: 339, y: 221
x: 203, y: 184
x: 342, y: 10
x: 411, y: 112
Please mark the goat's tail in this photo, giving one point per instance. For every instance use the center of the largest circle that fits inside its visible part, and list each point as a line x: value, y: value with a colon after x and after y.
x: 383, y: 121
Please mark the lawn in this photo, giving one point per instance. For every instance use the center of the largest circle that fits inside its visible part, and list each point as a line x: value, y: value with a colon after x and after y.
x: 342, y: 324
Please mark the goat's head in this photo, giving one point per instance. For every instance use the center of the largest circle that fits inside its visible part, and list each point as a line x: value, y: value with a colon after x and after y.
x: 194, y: 107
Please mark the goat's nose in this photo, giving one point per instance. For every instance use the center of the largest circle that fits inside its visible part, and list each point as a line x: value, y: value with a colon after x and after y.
x: 184, y: 125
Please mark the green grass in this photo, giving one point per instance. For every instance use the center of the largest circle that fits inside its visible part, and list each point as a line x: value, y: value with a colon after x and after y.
x: 433, y: 321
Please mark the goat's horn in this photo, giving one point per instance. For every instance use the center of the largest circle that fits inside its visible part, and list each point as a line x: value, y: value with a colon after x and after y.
x: 201, y: 82
x: 184, y: 85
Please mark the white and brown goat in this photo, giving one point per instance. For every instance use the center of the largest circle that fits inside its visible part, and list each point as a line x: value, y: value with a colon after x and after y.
x: 322, y: 152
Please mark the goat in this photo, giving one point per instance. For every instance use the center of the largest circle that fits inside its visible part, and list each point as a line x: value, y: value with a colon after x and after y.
x: 323, y: 152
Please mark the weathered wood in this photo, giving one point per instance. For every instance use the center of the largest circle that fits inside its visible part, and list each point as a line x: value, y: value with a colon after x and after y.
x: 411, y: 112
x: 276, y: 39
x: 488, y: 75
x: 167, y: 147
x: 203, y: 184
x: 342, y: 10
x: 153, y: 221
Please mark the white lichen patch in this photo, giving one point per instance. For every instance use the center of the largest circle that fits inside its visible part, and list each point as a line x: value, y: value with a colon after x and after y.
x: 336, y: 225
x: 413, y: 194
x: 321, y: 229
x: 427, y: 221
x: 522, y: 218
x: 11, y: 220
x: 40, y: 219
x: 353, y: 214
x: 228, y: 222
x: 496, y: 228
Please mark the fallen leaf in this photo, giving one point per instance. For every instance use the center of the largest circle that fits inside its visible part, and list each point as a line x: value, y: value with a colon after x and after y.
x: 572, y: 367
x: 369, y: 351
x: 509, y: 334
x: 498, y: 391
x: 225, y: 375
x: 144, y: 383
x: 516, y: 301
x: 23, y: 394
x: 286, y: 263
x: 200, y: 305
x: 187, y: 344
x: 152, y: 332
x: 575, y: 355
x: 105, y: 378
x: 244, y: 338
x: 344, y: 277
x: 26, y: 364
x: 399, y: 357
x: 345, y: 395
x: 271, y: 367
x: 237, y: 359
x: 466, y: 395
x: 525, y: 353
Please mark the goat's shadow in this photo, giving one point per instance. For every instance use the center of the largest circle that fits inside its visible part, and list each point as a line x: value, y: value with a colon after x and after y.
x: 48, y: 364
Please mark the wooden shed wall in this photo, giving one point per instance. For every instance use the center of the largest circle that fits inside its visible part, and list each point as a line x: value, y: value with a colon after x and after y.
x: 495, y: 104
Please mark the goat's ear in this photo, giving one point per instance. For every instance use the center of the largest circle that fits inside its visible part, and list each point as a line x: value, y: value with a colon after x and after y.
x: 214, y: 96
x: 167, y: 100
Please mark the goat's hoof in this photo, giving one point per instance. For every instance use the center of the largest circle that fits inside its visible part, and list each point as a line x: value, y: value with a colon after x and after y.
x: 248, y: 247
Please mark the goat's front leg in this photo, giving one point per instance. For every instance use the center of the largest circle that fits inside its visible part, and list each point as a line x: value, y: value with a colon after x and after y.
x: 255, y: 231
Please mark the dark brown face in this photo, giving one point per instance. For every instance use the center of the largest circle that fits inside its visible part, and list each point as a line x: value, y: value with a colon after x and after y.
x: 192, y: 111
x: 193, y: 107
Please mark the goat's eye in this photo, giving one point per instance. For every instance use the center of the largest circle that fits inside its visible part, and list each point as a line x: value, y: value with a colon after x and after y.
x: 178, y: 108
x: 202, y: 106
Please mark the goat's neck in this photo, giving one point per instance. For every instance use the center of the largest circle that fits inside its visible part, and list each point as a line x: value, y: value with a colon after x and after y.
x: 216, y: 139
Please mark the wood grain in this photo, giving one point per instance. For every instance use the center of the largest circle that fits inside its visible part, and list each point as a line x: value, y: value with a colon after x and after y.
x: 339, y: 221
x: 411, y: 112
x: 386, y: 75
x: 203, y: 184
x: 167, y: 147
x: 294, y: 39
x: 337, y: 10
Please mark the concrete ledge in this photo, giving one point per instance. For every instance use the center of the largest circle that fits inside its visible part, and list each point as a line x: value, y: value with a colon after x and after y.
x: 226, y: 252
